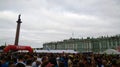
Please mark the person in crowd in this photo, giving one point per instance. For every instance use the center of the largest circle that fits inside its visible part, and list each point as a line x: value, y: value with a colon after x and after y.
x: 29, y: 63
x: 52, y: 60
x: 47, y: 62
x: 57, y: 60
x: 4, y: 62
x: 80, y: 63
x: 70, y: 63
x: 36, y: 63
x: 11, y: 64
x: 20, y: 61
x: 61, y: 61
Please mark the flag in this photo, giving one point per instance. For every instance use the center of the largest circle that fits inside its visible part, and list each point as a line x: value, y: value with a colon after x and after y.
x: 47, y: 48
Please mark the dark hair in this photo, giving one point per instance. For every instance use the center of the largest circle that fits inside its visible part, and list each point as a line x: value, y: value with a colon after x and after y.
x: 11, y: 62
x: 20, y: 57
x: 29, y: 62
x: 44, y: 64
x: 20, y: 65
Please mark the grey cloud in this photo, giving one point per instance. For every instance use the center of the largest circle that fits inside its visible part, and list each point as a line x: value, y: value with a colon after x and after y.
x: 52, y: 20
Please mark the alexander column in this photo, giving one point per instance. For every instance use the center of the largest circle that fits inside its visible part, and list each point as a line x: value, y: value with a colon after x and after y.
x: 17, y: 30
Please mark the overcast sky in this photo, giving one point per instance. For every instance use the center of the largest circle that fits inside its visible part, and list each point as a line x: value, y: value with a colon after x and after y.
x: 56, y: 20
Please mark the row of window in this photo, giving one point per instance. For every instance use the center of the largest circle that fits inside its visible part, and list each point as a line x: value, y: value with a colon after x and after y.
x: 96, y: 45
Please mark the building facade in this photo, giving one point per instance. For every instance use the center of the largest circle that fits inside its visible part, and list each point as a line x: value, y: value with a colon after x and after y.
x: 85, y: 45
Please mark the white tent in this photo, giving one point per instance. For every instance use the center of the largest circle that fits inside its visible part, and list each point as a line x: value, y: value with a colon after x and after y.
x: 55, y: 51
x: 111, y: 51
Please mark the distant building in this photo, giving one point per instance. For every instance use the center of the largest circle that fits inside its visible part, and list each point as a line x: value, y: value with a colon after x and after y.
x: 85, y: 45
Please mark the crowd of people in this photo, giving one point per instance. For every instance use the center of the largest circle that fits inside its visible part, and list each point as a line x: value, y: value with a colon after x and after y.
x: 58, y: 60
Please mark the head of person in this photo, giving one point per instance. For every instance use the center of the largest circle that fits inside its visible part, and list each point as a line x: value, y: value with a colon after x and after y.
x: 20, y: 65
